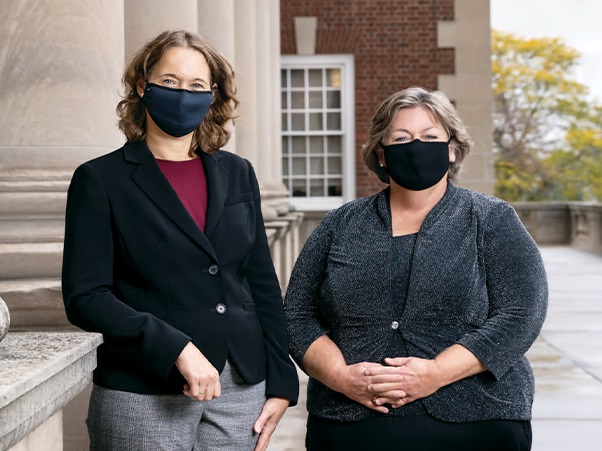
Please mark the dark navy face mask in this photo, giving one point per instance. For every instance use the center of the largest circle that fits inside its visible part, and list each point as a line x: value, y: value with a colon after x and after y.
x: 177, y: 112
x: 417, y: 165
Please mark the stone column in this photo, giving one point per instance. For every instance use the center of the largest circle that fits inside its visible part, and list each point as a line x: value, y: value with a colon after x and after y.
x: 144, y: 19
x: 245, y: 65
x: 216, y: 25
x: 60, y: 66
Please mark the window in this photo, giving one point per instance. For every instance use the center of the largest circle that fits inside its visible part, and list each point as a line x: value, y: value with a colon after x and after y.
x: 318, y: 139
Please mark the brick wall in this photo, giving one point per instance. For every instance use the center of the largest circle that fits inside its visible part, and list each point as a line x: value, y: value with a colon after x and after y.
x: 395, y: 46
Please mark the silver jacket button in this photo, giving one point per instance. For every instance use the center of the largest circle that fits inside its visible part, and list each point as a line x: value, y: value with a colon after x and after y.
x: 213, y: 269
x: 394, y: 325
x: 221, y: 309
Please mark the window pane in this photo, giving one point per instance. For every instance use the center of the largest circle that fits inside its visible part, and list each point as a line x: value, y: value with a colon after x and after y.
x: 298, y: 144
x: 315, y: 121
x: 316, y: 188
x: 284, y: 122
x: 316, y: 144
x: 283, y: 81
x: 335, y: 166
x: 298, y: 121
x: 284, y: 100
x: 285, y: 167
x: 297, y: 78
x: 334, y: 187
x: 315, y: 77
x: 297, y: 100
x: 316, y: 166
x: 334, y: 121
x: 299, y: 167
x: 333, y: 78
x: 315, y: 99
x: 285, y: 145
x: 334, y: 144
x: 299, y: 189
x: 333, y: 99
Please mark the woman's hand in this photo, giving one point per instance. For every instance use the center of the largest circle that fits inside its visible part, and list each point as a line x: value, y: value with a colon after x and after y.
x: 202, y: 377
x: 406, y: 379
x: 353, y: 381
x: 265, y: 425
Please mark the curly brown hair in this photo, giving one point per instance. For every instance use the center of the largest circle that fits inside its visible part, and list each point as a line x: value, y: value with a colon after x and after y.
x: 443, y: 111
x: 213, y: 133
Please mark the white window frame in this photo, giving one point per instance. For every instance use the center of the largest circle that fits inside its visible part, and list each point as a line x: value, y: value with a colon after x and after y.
x: 346, y: 64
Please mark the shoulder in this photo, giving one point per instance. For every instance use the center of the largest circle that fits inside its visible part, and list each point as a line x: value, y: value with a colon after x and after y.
x: 360, y: 209
x: 229, y: 159
x: 493, y: 216
x: 485, y: 206
x: 104, y: 164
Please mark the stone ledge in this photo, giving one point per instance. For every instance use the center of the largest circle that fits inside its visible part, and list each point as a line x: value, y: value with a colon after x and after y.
x: 40, y: 372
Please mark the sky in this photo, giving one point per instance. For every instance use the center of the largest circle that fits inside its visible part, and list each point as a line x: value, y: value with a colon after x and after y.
x: 578, y: 22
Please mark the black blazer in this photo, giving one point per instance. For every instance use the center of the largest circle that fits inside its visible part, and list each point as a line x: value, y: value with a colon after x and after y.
x: 138, y: 269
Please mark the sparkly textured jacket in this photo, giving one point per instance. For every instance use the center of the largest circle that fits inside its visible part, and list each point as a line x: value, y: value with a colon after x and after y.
x: 477, y: 279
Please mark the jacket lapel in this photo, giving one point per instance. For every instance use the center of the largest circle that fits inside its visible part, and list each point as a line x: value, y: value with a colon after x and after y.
x: 148, y: 176
x: 217, y: 187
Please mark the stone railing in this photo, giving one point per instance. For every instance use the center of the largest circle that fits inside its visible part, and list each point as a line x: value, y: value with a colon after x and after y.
x: 40, y: 372
x: 283, y: 236
x: 577, y: 224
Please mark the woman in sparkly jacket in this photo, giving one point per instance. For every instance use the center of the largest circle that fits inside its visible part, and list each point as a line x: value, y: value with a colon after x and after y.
x: 411, y: 310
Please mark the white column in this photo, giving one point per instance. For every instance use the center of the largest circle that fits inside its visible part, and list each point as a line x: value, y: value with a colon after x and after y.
x: 245, y: 49
x: 145, y: 19
x: 216, y: 25
x: 60, y: 66
x: 268, y: 104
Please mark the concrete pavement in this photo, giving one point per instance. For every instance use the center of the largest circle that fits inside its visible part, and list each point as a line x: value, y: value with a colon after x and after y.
x: 567, y: 360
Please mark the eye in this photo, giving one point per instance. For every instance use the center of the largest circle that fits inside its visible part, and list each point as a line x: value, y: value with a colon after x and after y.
x: 169, y: 82
x: 400, y: 139
x: 431, y: 137
x: 199, y: 87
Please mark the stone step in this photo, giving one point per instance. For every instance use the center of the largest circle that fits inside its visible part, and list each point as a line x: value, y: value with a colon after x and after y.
x: 32, y: 230
x: 30, y: 260
x: 33, y: 211
x: 32, y: 203
x: 34, y: 303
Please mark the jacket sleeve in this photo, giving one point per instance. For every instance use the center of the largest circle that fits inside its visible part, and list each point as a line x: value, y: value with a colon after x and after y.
x: 305, y: 322
x: 517, y: 290
x: 87, y: 282
x: 282, y: 379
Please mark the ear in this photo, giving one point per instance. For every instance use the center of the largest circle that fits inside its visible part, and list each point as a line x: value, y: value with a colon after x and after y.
x: 380, y: 155
x: 452, y: 152
x: 140, y: 85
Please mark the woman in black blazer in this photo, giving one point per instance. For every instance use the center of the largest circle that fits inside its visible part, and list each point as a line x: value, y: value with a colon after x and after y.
x: 166, y: 255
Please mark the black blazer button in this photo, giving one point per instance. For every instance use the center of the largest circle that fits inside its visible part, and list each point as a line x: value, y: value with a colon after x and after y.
x: 213, y: 269
x: 221, y: 309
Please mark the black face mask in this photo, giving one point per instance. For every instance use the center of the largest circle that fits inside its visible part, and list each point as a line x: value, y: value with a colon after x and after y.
x: 417, y: 165
x: 176, y: 111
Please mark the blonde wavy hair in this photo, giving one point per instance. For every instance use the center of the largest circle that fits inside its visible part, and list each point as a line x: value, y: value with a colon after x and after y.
x: 442, y: 110
x: 213, y: 133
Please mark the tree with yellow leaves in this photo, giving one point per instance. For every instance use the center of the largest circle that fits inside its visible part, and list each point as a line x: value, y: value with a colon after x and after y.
x: 547, y: 135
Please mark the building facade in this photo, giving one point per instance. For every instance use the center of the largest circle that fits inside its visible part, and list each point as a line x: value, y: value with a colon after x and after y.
x: 310, y: 74
x: 342, y: 59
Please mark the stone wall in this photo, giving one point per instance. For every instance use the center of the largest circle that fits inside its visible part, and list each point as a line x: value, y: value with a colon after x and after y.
x: 578, y: 224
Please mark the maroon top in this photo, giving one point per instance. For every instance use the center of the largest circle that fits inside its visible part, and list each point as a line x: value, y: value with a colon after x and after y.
x: 188, y: 180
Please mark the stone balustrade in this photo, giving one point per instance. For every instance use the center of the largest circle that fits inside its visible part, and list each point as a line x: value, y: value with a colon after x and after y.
x: 40, y: 372
x: 578, y: 224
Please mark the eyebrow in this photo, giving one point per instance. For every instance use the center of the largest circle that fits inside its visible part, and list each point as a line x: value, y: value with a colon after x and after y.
x: 422, y: 131
x: 175, y: 76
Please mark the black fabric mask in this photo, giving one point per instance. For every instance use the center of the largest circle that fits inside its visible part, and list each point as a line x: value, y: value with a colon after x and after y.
x: 417, y: 165
x: 176, y: 111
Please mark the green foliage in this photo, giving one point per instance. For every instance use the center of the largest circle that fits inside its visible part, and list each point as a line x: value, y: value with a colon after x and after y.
x: 547, y: 135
